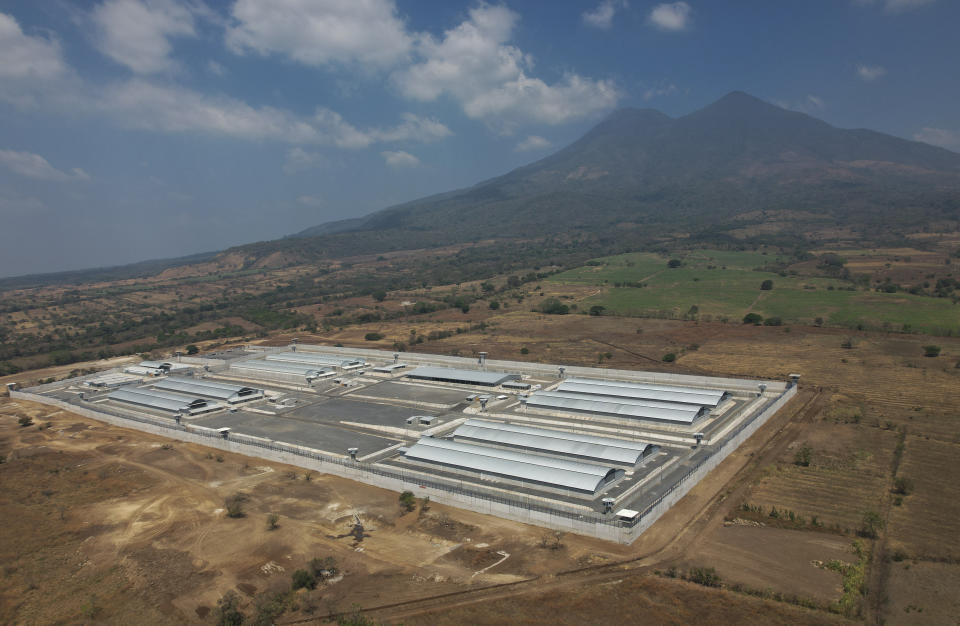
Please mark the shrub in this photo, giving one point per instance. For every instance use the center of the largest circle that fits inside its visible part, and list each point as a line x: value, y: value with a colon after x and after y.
x: 766, y: 285
x: 24, y: 421
x: 669, y: 357
x: 672, y: 263
x: 752, y: 318
x: 870, y: 525
x: 494, y: 305
x: 234, y: 505
x: 902, y: 485
x: 552, y: 306
x: 773, y: 321
x: 803, y: 456
x: 303, y: 579
x: 380, y: 295
x: 408, y: 501
x: 597, y: 309
x: 524, y: 350
x: 228, y: 613
x: 373, y: 336
x: 192, y: 349
x: 931, y: 351
x: 273, y: 521
x: 706, y: 576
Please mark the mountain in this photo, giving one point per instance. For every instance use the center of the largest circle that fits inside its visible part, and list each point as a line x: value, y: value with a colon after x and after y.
x: 737, y: 155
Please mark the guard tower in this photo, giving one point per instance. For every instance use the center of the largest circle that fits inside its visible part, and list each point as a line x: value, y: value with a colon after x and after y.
x: 293, y: 345
x: 482, y: 361
x: 794, y: 380
x: 762, y: 387
x: 353, y: 453
x: 562, y: 370
x: 608, y: 505
x: 699, y: 438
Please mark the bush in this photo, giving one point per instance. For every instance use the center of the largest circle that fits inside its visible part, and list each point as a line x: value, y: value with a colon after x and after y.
x: 408, y: 501
x: 752, y: 318
x: 303, y: 579
x: 192, y: 349
x: 706, y: 576
x: 871, y: 525
x: 773, y: 321
x: 902, y: 485
x: 494, y: 305
x: 234, y: 505
x: 373, y: 336
x: 669, y: 357
x: 552, y: 306
x: 273, y: 521
x: 766, y: 285
x: 803, y: 456
x: 24, y: 421
x: 524, y: 350
x: 380, y: 295
x: 672, y: 263
x: 597, y: 309
x: 931, y: 351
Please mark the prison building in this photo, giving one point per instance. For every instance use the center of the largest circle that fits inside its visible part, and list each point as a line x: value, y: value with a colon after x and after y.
x: 460, y: 377
x: 317, y: 360
x: 645, y: 391
x: 514, y: 467
x: 592, y: 448
x: 231, y: 394
x: 139, y: 370
x: 109, y: 381
x: 280, y: 372
x: 157, y: 365
x: 516, y: 385
x: 164, y: 401
x: 562, y: 402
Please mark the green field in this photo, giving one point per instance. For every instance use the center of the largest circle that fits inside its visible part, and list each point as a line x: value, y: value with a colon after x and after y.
x: 726, y: 285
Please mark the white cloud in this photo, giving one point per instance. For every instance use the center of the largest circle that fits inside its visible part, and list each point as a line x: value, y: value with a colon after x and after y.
x: 657, y: 92
x: 939, y: 137
x: 533, y: 142
x: 473, y: 64
x: 19, y: 206
x: 896, y: 6
x: 311, y: 201
x: 671, y: 16
x: 300, y: 160
x: 137, y: 33
x: 215, y: 68
x: 321, y: 32
x: 25, y: 57
x: 400, y: 159
x: 871, y: 72
x: 814, y: 102
x: 809, y: 105
x: 35, y: 166
x: 602, y: 16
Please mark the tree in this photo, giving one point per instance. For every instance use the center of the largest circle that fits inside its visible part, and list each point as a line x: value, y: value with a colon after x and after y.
x: 192, y: 349
x: 552, y: 306
x: 669, y: 357
x: 673, y: 263
x: 408, y: 501
x: 706, y: 576
x: 273, y: 521
x: 803, y: 456
x: 902, y: 485
x: 931, y: 351
x: 766, y: 285
x: 597, y: 310
x: 380, y: 295
x: 373, y: 336
x: 303, y: 579
x: 228, y: 613
x: 871, y: 525
x: 524, y: 350
x: 753, y: 318
x: 773, y: 321
x: 494, y: 305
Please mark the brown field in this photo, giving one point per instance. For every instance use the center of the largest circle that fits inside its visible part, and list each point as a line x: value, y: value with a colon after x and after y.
x: 927, y: 524
x: 923, y: 593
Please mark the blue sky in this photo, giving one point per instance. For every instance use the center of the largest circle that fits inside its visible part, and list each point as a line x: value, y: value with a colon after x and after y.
x: 139, y: 129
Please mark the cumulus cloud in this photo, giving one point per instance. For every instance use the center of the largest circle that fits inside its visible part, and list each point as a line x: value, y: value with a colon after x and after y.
x: 23, y: 56
x: 400, y: 159
x: 321, y: 32
x: 810, y: 104
x: 871, y: 72
x: 942, y: 137
x: 300, y: 160
x: 474, y: 64
x: 671, y: 16
x: 35, y: 166
x: 533, y: 142
x: 137, y: 33
x: 602, y: 16
x: 217, y: 69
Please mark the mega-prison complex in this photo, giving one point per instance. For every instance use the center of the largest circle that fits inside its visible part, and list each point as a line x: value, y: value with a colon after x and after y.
x: 597, y: 451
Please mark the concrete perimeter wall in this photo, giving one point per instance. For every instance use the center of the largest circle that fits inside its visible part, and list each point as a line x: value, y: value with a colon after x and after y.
x: 570, y: 520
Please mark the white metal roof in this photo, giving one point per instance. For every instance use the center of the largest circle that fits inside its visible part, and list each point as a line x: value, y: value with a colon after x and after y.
x: 156, y: 364
x: 157, y: 399
x: 314, y: 359
x: 515, y: 465
x: 667, y: 393
x: 683, y: 413
x: 466, y: 377
x: 210, y: 389
x: 280, y: 367
x: 606, y: 449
